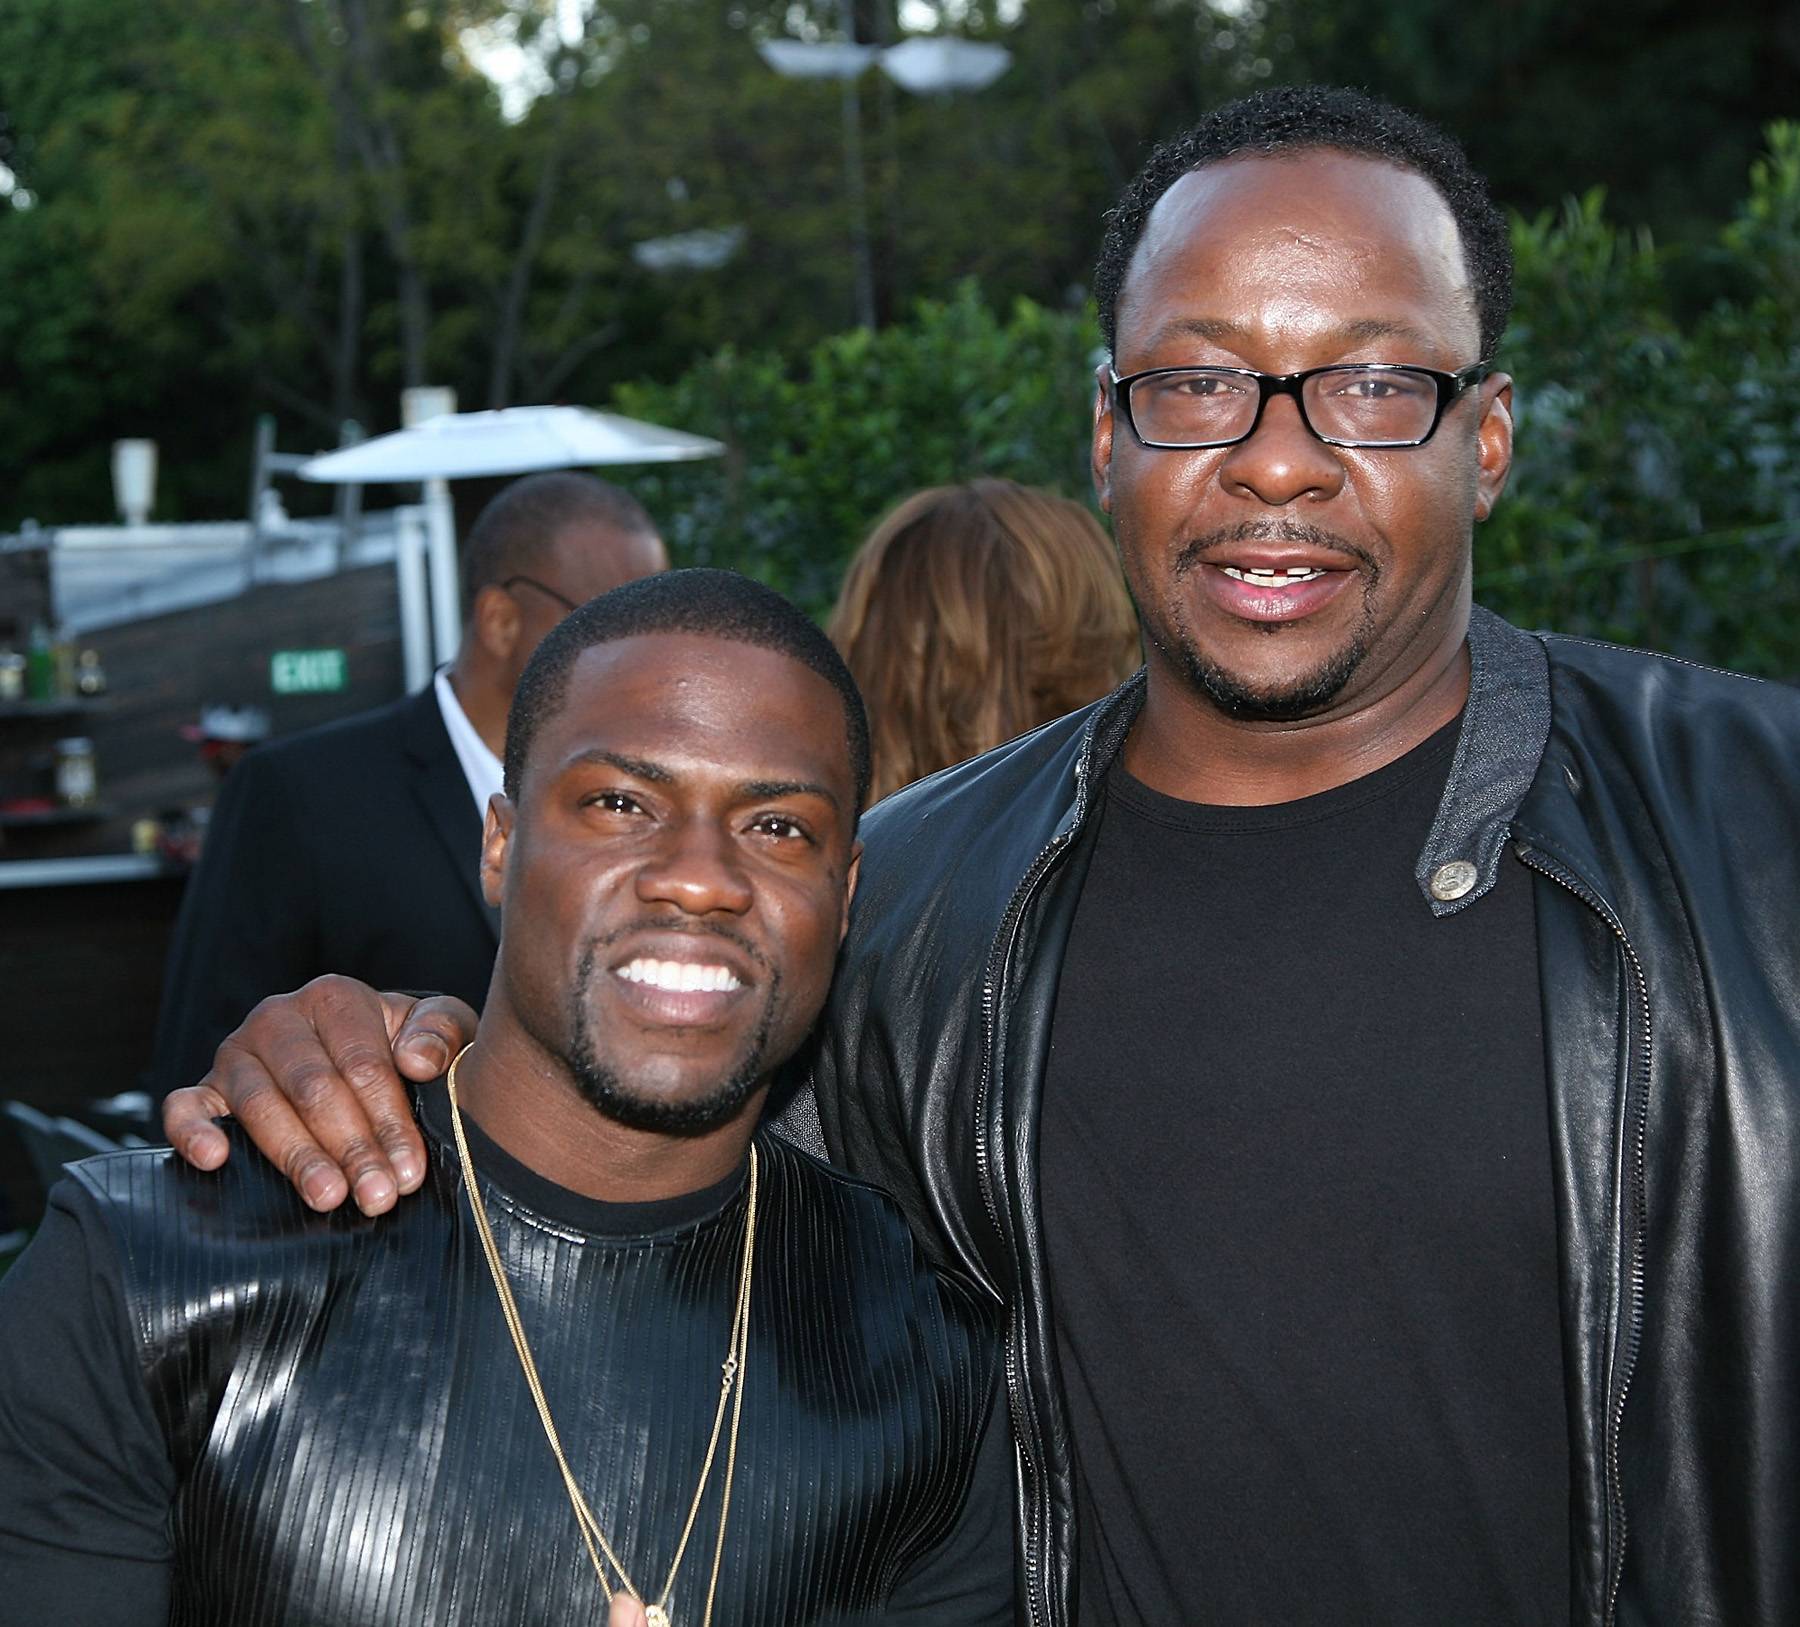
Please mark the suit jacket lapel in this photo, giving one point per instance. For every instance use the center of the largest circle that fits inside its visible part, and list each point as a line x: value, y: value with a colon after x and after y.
x: 444, y: 797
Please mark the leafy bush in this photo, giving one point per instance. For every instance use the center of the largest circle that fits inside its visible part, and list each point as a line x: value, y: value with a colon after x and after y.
x: 820, y: 451
x: 1655, y: 495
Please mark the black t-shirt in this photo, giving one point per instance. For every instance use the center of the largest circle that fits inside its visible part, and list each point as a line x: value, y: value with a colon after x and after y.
x: 87, y: 1485
x: 1296, y: 1188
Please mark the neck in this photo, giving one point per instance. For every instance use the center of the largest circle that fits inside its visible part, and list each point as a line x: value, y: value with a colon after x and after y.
x: 1184, y: 746
x: 525, y: 1100
x: 483, y: 700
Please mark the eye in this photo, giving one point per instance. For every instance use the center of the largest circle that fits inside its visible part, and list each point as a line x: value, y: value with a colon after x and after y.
x: 781, y: 827
x: 1203, y: 385
x: 1378, y: 386
x: 613, y: 802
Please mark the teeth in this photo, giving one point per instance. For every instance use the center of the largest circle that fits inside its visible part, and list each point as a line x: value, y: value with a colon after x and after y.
x: 1267, y: 578
x: 682, y: 976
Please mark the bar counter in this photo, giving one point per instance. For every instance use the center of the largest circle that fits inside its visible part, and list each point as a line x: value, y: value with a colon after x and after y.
x: 102, y: 867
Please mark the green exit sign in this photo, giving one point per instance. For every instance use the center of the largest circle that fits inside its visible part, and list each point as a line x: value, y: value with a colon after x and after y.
x: 308, y: 672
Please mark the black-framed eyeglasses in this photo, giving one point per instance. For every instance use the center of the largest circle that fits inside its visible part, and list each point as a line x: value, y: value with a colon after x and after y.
x: 1384, y: 404
x: 543, y: 587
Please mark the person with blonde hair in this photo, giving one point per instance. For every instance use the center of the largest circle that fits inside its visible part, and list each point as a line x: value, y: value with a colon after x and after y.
x: 973, y: 613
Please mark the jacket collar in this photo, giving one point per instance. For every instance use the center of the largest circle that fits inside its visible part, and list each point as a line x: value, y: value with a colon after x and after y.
x: 442, y: 790
x: 1505, y: 727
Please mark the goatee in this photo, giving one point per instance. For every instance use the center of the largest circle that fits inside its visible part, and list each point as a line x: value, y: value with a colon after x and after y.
x: 1304, y: 694
x: 603, y: 1088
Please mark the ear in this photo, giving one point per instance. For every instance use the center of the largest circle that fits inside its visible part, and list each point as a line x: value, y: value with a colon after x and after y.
x: 494, y: 622
x: 1103, y: 437
x: 1493, y: 440
x: 496, y: 841
x: 856, y: 851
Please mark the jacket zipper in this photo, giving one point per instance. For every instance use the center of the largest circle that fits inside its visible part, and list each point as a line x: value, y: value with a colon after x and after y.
x: 1024, y: 1437
x: 1635, y: 1131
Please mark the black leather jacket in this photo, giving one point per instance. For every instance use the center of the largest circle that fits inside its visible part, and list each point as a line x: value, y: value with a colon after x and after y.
x: 1658, y: 804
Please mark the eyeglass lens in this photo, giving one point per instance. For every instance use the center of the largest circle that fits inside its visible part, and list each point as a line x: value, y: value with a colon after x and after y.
x: 1372, y: 406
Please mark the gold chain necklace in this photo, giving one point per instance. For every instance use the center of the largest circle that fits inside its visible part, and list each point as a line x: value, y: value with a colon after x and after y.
x: 656, y: 1614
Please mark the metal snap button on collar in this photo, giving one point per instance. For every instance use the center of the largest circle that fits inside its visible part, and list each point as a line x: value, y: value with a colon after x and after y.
x: 1453, y: 880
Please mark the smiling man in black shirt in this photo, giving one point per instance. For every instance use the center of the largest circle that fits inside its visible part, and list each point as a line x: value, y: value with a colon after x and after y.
x: 626, y: 1345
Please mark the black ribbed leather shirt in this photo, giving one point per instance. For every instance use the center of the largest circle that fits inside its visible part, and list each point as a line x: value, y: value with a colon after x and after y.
x: 306, y: 1419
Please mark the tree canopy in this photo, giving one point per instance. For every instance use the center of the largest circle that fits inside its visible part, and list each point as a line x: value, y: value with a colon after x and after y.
x: 211, y: 210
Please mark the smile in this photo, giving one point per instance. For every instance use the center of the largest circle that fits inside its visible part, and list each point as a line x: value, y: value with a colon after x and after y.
x: 1273, y: 594
x: 1272, y: 578
x: 679, y: 976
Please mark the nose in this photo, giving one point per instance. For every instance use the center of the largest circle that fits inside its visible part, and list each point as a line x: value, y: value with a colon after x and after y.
x: 698, y: 869
x: 1282, y: 461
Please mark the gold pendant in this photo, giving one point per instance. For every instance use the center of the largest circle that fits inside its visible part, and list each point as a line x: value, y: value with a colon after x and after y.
x: 656, y: 1616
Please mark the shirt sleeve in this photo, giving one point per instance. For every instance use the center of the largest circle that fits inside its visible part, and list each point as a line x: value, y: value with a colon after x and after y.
x: 86, y: 1484
x: 967, y: 1579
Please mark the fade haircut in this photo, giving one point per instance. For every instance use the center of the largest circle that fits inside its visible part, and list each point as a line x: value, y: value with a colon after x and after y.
x: 719, y: 604
x: 1294, y: 119
x: 514, y: 534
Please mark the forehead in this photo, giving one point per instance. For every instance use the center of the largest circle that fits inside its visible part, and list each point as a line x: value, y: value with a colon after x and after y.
x: 709, y: 706
x: 1300, y: 243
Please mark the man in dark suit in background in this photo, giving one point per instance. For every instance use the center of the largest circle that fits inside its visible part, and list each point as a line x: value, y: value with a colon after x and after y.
x: 355, y: 847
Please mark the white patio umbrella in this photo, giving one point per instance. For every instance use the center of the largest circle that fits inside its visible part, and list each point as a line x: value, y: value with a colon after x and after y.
x: 512, y: 440
x: 463, y: 445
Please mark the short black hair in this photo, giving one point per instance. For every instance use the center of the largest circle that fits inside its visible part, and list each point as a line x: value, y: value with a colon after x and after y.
x: 514, y: 534
x: 722, y: 604
x: 1299, y: 118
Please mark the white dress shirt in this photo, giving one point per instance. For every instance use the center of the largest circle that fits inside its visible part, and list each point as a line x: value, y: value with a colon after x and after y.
x: 481, y: 768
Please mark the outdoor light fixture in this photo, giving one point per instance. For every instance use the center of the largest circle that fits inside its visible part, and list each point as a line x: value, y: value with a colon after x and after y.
x: 924, y: 65
x: 939, y: 63
x: 424, y: 401
x: 822, y: 59
x: 134, y: 480
x: 703, y: 250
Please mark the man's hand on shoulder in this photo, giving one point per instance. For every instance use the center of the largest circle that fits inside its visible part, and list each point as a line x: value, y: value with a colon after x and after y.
x: 315, y: 1078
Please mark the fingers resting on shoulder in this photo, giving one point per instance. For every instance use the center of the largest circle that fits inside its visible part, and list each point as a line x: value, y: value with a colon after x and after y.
x: 316, y: 1079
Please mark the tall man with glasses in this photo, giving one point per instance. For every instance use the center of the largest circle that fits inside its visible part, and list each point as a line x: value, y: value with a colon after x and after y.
x: 1363, y: 1052
x: 357, y: 845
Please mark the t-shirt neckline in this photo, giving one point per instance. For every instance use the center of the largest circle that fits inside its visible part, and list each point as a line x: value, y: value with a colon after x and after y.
x: 619, y: 1222
x: 1431, y: 756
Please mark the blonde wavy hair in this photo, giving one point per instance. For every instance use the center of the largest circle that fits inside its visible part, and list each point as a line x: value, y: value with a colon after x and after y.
x: 975, y: 612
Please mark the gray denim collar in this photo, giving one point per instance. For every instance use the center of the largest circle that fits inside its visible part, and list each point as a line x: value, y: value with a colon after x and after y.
x: 1505, y: 727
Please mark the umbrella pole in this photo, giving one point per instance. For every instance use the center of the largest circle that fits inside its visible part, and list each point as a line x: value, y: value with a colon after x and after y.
x: 446, y: 611
x: 415, y: 613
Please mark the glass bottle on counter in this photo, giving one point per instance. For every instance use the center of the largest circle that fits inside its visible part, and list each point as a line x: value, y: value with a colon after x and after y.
x: 12, y: 674
x: 90, y: 675
x: 77, y: 774
x: 40, y: 665
x: 62, y: 661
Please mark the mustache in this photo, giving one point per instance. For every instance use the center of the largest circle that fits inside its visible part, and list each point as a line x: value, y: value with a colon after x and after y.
x: 596, y: 946
x: 1194, y: 552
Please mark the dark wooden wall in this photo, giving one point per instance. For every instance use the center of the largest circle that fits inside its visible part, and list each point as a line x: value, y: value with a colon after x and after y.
x: 162, y: 670
x: 81, y: 966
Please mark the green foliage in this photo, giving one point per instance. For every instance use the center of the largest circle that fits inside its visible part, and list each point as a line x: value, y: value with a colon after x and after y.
x: 820, y: 451
x: 300, y: 206
x: 1655, y: 496
x: 1655, y: 492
